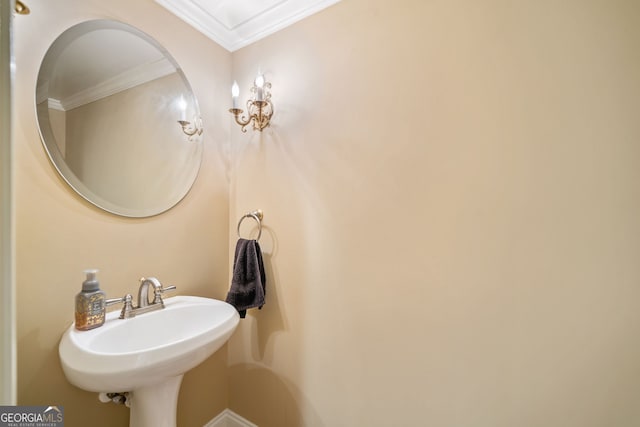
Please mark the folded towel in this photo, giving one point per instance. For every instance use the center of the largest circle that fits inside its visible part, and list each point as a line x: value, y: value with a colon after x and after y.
x: 248, y: 281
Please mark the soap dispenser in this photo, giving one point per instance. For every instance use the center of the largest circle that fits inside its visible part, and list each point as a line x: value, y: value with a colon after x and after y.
x: 90, y: 303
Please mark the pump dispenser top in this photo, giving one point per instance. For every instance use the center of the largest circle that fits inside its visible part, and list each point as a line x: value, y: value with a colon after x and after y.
x: 91, y: 282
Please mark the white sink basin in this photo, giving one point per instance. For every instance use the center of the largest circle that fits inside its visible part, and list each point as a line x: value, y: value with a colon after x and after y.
x: 147, y: 353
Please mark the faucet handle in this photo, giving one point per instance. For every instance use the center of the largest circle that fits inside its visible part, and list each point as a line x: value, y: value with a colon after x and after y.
x: 112, y: 301
x: 157, y: 293
x: 127, y: 308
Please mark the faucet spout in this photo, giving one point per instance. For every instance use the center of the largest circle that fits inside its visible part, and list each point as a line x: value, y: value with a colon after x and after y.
x: 143, y: 291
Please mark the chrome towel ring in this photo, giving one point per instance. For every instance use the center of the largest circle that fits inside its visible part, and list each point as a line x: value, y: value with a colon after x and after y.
x: 257, y: 215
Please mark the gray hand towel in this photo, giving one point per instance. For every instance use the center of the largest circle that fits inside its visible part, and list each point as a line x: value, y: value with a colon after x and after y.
x: 248, y: 281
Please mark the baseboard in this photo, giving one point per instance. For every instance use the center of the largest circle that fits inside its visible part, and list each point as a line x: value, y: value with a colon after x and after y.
x: 228, y: 418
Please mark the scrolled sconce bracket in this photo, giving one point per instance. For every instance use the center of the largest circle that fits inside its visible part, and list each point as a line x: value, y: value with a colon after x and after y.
x: 243, y: 122
x: 191, y: 129
x: 262, y: 114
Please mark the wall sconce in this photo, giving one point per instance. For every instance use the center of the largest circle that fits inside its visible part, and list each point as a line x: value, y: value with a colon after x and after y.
x: 188, y: 128
x: 191, y: 129
x: 259, y: 106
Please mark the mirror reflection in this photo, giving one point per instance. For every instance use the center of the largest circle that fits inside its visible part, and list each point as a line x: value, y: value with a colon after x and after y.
x: 109, y: 102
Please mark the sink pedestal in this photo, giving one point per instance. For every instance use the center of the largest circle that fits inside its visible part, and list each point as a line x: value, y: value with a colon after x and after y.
x: 155, y: 405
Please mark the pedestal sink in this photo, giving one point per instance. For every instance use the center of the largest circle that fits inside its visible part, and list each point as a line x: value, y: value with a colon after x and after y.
x: 147, y: 355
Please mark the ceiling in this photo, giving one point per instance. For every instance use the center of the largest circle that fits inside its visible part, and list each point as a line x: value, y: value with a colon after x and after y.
x: 234, y: 24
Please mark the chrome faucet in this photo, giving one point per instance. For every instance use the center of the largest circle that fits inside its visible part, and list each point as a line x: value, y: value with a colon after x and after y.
x: 144, y: 303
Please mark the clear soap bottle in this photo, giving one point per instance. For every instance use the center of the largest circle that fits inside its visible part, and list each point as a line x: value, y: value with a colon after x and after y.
x: 90, y: 303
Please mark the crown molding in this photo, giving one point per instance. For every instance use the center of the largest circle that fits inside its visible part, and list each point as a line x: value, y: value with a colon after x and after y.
x: 127, y: 80
x: 215, y: 20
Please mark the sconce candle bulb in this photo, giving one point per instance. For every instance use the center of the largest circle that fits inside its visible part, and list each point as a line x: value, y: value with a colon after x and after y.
x: 259, y: 106
x: 235, y: 91
x: 182, y: 106
x: 191, y: 129
x: 259, y: 85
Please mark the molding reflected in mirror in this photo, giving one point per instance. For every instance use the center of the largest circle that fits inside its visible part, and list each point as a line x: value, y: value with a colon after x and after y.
x: 107, y: 100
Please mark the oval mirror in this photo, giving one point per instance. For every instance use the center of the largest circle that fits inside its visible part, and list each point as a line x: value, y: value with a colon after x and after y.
x: 118, y: 118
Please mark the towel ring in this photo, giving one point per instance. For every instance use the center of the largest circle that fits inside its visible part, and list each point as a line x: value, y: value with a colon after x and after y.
x: 257, y: 215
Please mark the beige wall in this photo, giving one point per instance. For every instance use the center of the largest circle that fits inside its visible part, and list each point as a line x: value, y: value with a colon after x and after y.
x: 451, y: 217
x: 148, y: 179
x: 452, y: 204
x: 59, y: 235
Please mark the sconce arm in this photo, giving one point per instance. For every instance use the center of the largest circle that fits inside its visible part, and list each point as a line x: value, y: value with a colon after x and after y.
x: 191, y: 129
x: 244, y: 122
